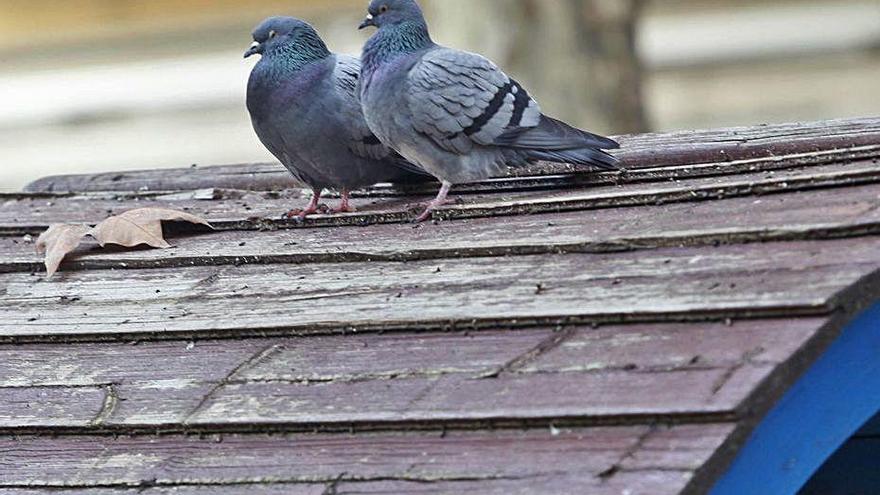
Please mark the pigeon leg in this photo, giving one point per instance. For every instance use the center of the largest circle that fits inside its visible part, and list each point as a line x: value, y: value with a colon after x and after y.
x: 345, y: 206
x: 311, y: 209
x: 439, y: 201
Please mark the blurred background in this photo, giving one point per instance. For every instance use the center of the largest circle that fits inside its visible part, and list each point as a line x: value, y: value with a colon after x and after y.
x: 97, y: 85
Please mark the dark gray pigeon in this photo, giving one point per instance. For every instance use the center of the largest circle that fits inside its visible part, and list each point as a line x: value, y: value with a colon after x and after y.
x: 456, y: 114
x: 304, y: 107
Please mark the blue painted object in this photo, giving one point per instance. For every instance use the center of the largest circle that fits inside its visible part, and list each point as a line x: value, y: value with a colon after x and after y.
x: 853, y: 470
x: 872, y: 429
x: 830, y: 403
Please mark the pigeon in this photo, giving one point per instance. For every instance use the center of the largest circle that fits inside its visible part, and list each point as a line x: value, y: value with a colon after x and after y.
x: 304, y: 107
x: 456, y: 114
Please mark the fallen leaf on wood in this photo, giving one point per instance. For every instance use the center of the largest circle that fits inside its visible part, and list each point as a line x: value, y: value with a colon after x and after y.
x: 142, y: 226
x: 132, y: 228
x: 58, y: 241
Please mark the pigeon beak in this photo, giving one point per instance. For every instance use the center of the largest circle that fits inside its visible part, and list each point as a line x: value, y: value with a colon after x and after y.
x: 256, y: 48
x: 367, y: 22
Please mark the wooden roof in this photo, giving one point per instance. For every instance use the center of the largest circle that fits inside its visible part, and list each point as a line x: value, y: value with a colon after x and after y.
x: 558, y: 332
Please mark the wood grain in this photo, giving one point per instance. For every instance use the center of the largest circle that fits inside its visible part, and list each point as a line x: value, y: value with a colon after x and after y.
x: 568, y: 332
x: 511, y: 459
x: 51, y: 406
x: 577, y: 374
x: 612, y: 397
x: 826, y: 213
x: 165, y: 365
x: 755, y: 279
x: 640, y: 151
x: 146, y: 489
x: 252, y: 211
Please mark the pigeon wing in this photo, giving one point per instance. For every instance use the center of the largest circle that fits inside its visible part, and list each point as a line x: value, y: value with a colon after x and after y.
x: 361, y: 140
x: 460, y: 99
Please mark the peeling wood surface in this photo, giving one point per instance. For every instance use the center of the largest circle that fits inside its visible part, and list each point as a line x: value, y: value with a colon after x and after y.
x: 558, y: 332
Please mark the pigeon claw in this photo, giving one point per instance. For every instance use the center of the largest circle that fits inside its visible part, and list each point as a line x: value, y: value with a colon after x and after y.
x: 428, y: 214
x: 297, y: 213
x: 437, y: 203
x: 303, y: 213
x: 344, y: 209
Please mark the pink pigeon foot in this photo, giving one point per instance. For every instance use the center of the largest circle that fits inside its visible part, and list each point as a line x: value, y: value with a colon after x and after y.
x: 311, y: 209
x: 439, y: 201
x: 345, y: 206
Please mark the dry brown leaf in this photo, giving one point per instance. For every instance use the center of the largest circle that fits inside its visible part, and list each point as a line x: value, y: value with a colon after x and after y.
x: 140, y: 227
x: 58, y: 242
x: 132, y: 228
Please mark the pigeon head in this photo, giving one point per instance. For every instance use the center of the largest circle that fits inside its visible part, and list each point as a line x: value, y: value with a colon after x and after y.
x: 286, y: 35
x: 392, y: 12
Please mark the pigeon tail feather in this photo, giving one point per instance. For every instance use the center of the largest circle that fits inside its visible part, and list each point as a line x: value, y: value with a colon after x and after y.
x: 581, y: 156
x: 558, y: 142
x: 552, y: 134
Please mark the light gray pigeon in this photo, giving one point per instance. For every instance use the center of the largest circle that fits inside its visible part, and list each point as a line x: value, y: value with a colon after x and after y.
x: 304, y: 107
x: 456, y: 114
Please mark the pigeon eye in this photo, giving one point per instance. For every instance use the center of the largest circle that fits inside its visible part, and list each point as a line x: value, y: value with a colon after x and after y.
x: 272, y: 34
x: 383, y: 9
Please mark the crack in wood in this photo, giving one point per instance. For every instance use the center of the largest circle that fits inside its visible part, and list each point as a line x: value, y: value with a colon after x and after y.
x: 332, y: 487
x: 311, y: 480
x: 618, y: 245
x: 631, y: 451
x: 255, y: 359
x: 747, y: 359
x: 426, y: 390
x: 352, y: 378
x: 552, y: 342
x: 209, y: 280
x: 440, y: 325
x: 111, y: 400
x: 373, y: 427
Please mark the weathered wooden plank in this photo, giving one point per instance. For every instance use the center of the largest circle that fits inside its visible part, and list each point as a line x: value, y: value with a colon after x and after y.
x: 159, y: 383
x: 261, y: 211
x: 231, y: 489
x: 655, y: 347
x: 641, y: 483
x: 823, y: 213
x: 548, y: 180
x: 373, y: 379
x: 614, y: 396
x: 499, y: 458
x: 642, y: 151
x: 51, y: 406
x: 674, y: 448
x: 756, y: 279
x: 174, y: 364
